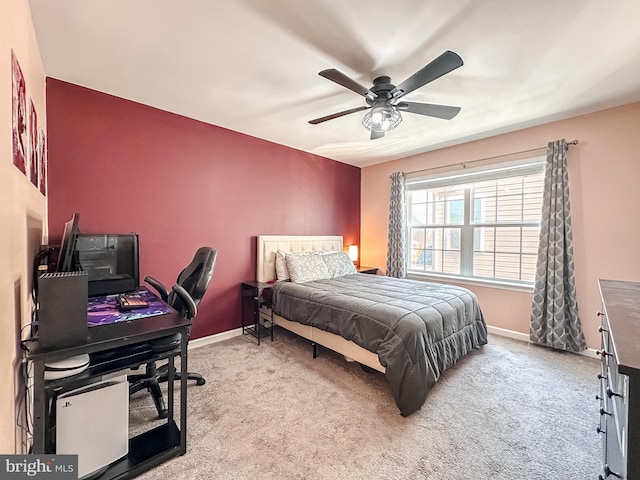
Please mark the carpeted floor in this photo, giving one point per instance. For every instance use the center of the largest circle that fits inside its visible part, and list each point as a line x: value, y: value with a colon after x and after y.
x: 507, y: 411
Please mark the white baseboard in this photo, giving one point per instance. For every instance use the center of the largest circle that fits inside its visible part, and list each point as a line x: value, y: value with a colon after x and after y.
x: 524, y: 337
x: 503, y: 332
x: 218, y: 337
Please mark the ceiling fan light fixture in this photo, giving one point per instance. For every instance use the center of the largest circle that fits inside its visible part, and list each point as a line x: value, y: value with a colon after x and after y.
x: 382, y: 118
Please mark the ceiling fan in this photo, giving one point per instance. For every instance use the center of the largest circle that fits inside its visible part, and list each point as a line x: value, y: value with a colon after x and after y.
x: 383, y: 98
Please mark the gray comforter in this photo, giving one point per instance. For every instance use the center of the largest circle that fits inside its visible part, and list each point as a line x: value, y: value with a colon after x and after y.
x: 418, y: 329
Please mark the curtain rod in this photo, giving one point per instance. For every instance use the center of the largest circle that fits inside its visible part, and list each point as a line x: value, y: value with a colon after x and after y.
x: 464, y: 164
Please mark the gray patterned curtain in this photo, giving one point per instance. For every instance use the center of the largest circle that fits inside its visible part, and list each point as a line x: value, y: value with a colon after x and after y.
x: 554, y: 316
x: 396, y: 247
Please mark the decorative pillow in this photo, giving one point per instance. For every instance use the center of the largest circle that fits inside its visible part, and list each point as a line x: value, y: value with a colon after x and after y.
x: 282, y: 271
x: 306, y: 268
x: 339, y: 264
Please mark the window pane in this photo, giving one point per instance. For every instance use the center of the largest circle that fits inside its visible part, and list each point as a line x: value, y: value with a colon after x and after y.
x: 529, y: 263
x: 484, y: 239
x: 436, y: 213
x: 455, y: 212
x: 418, y: 214
x: 478, y: 210
x: 417, y: 259
x: 507, y: 239
x: 485, y: 189
x: 532, y: 207
x: 483, y: 264
x: 418, y: 196
x: 434, y: 245
x: 509, y: 186
x: 451, y: 262
x: 427, y: 258
x: 430, y: 237
x: 530, y: 240
x: 509, y: 209
x: 534, y: 183
x: 483, y: 196
x: 417, y: 237
x: 417, y: 248
x: 507, y: 266
x: 452, y: 238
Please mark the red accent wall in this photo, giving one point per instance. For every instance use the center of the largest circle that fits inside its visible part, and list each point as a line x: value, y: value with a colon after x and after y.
x: 181, y: 184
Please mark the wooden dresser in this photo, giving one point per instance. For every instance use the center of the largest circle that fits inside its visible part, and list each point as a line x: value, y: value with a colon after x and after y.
x: 619, y: 394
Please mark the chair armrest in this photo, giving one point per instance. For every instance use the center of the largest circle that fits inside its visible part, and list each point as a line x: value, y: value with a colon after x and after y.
x: 192, y: 309
x: 158, y: 286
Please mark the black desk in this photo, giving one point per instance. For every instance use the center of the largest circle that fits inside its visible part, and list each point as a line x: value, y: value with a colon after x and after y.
x: 150, y: 448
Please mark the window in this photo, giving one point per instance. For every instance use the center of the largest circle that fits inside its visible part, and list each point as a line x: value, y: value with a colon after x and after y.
x: 482, y: 224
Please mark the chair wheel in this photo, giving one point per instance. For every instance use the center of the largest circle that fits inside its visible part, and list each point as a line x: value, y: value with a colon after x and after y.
x: 163, y: 413
x: 200, y: 381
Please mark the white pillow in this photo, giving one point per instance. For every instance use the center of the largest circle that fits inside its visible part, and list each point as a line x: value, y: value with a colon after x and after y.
x: 339, y: 264
x: 282, y: 271
x: 306, y: 268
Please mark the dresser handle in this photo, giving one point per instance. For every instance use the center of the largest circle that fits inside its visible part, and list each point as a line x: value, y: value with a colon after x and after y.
x: 611, y: 393
x: 600, y: 329
x: 604, y: 353
x: 608, y: 471
x: 599, y: 430
x: 599, y: 313
x: 601, y: 377
x: 603, y: 411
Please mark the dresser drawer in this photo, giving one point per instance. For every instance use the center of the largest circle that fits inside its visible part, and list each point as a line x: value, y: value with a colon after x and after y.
x: 613, y: 407
x: 619, y: 389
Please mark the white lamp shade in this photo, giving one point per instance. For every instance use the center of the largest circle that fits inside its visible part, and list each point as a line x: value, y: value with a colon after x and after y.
x: 353, y: 253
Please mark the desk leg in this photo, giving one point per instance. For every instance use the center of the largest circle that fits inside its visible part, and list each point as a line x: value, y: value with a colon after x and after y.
x: 183, y: 392
x: 170, y: 379
x: 40, y: 422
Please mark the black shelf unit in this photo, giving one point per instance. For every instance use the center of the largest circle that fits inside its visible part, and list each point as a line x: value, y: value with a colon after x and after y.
x: 112, y: 349
x: 149, y: 448
x: 257, y: 317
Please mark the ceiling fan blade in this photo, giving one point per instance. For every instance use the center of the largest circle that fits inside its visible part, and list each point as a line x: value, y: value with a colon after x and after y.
x: 341, y: 79
x: 442, y: 65
x: 439, y: 111
x: 375, y: 135
x: 339, y: 114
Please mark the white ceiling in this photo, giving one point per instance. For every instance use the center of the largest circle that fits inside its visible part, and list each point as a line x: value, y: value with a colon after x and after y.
x: 252, y: 65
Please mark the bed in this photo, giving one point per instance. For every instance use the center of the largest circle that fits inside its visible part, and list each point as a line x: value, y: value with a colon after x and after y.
x: 409, y: 330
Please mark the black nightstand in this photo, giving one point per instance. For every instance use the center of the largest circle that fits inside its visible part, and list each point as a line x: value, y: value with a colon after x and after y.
x: 369, y: 270
x: 257, y: 317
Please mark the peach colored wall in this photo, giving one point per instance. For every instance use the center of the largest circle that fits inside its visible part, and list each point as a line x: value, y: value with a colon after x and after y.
x: 22, y: 209
x: 605, y: 195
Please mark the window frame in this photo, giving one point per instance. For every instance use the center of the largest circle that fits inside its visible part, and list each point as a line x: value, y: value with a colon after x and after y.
x: 525, y: 166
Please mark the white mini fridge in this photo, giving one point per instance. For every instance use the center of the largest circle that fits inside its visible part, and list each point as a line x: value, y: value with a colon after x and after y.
x: 93, y: 422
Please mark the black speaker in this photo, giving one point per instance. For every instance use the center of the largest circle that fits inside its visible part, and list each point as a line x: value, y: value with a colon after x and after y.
x: 62, y: 309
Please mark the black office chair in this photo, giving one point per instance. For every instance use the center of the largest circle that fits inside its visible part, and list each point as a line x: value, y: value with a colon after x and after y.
x: 185, y: 295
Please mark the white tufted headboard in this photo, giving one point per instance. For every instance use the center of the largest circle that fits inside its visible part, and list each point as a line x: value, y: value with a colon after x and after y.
x: 269, y: 244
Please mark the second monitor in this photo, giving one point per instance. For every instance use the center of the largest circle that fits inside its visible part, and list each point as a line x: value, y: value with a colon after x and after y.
x: 110, y: 260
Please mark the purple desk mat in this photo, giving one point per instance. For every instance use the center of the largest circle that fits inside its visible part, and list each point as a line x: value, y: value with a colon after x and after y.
x: 104, y: 310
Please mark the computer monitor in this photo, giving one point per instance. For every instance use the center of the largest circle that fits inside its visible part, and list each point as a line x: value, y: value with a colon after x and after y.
x: 111, y: 261
x: 68, y: 244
